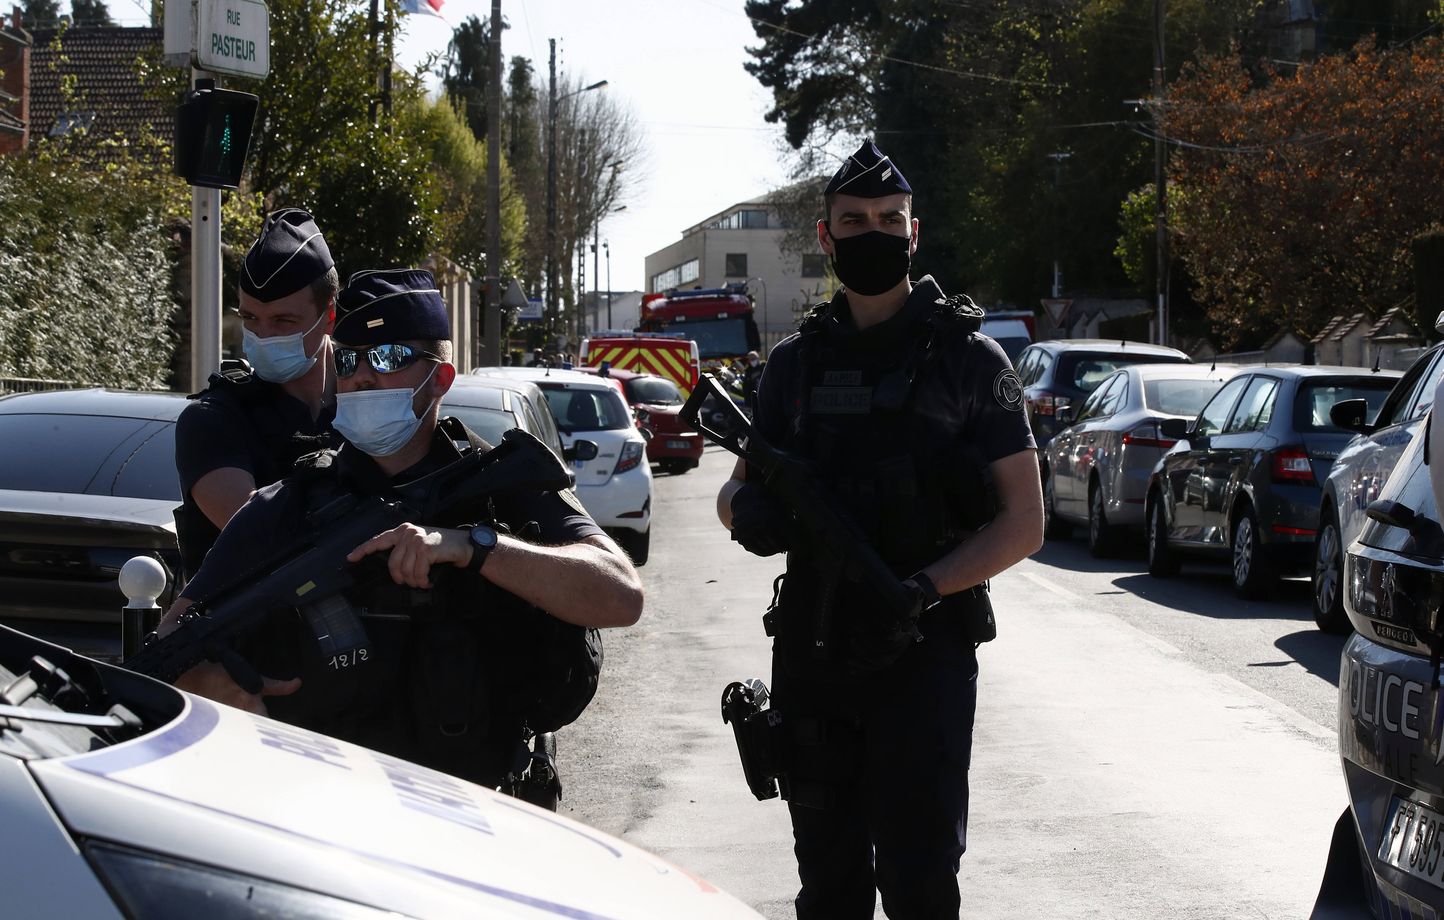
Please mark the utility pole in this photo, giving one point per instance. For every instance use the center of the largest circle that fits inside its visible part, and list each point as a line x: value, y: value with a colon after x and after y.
x: 1160, y: 154
x: 1057, y: 159
x: 596, y: 271
x: 607, y: 248
x: 551, y: 260
x: 491, y: 317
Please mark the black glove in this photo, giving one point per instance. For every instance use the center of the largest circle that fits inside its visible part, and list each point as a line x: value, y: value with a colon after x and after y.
x: 759, y: 522
x: 879, y: 642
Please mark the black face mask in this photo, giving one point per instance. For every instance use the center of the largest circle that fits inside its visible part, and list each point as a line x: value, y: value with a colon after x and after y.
x: 871, y: 263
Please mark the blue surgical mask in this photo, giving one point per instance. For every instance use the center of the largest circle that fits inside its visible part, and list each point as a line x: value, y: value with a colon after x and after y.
x: 379, y: 422
x: 280, y: 358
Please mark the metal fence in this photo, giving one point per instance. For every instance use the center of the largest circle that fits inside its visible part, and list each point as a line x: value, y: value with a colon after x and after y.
x: 34, y: 385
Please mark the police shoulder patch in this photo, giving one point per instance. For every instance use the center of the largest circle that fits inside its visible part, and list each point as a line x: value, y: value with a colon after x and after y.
x: 1008, y: 390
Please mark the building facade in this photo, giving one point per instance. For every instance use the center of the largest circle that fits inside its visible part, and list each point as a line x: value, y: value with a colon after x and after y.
x: 743, y: 243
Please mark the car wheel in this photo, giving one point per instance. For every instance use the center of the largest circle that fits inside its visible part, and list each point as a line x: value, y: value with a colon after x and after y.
x: 1054, y: 527
x: 1252, y: 575
x: 637, y: 545
x: 1102, y: 536
x: 1328, y: 580
x: 1162, y: 560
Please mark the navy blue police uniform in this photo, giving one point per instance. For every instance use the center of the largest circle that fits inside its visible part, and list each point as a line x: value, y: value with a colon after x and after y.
x: 241, y: 420
x: 899, y: 421
x: 447, y: 676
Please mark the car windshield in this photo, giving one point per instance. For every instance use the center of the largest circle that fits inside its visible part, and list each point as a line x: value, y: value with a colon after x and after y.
x: 490, y: 424
x: 94, y: 454
x: 655, y: 390
x: 1178, y: 397
x: 1317, y: 397
x: 1085, y: 371
x: 587, y: 409
x: 717, y: 338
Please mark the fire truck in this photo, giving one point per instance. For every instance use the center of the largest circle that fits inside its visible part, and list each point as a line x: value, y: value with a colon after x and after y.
x: 719, y: 320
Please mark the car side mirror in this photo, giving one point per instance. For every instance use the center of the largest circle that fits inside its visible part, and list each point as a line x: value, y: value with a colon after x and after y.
x: 581, y: 450
x: 1174, y: 429
x: 1350, y: 414
x: 1064, y: 416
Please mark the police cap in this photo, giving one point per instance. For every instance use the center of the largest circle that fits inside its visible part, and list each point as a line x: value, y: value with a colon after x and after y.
x: 289, y: 254
x: 391, y: 305
x: 868, y: 173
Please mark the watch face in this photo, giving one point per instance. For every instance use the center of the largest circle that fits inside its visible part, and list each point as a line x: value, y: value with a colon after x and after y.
x: 483, y: 536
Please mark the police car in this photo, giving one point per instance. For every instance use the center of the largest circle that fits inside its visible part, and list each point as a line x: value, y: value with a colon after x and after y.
x: 1388, y: 848
x: 124, y: 797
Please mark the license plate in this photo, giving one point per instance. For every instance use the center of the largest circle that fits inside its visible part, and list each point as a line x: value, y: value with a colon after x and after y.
x: 679, y: 445
x: 1414, y: 841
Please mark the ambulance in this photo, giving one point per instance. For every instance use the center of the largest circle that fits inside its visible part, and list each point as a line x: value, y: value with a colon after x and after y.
x: 670, y: 355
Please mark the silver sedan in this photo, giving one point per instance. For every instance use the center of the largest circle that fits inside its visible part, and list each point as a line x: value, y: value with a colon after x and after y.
x: 1095, y: 472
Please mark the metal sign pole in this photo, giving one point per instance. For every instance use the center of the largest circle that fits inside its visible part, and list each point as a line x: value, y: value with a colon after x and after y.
x: 205, y: 278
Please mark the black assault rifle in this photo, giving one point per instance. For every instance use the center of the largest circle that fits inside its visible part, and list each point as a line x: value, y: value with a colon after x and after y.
x: 835, y: 537
x: 310, y: 568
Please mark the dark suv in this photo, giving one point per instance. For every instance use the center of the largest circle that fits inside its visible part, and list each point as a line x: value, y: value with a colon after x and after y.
x: 1387, y: 854
x: 1058, y: 373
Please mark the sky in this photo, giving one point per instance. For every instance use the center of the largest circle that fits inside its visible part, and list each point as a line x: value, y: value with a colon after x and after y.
x: 677, y: 65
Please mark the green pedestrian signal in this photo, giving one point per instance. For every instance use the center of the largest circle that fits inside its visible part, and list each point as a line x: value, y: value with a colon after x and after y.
x: 212, y: 135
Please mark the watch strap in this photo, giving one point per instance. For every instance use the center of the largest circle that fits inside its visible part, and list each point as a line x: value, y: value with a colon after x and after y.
x: 931, y: 597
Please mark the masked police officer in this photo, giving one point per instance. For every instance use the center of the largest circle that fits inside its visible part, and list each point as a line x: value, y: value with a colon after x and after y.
x: 455, y: 621
x: 913, y: 421
x: 241, y: 433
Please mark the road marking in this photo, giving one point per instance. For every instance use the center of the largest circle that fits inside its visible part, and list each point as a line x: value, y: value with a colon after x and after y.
x: 1143, y: 635
x: 1280, y: 710
x: 1047, y: 585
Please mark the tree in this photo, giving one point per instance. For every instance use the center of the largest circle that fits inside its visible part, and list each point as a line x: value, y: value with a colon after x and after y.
x: 467, y: 71
x: 90, y: 13
x: 1302, y: 194
x: 40, y: 14
x: 316, y: 145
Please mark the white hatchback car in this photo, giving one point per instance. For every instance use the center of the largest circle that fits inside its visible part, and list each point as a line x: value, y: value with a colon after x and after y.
x: 124, y: 797
x: 615, y: 486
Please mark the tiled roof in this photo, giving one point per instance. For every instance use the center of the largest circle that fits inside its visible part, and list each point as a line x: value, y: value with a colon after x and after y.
x: 1327, y: 331
x: 107, y: 83
x: 1347, y: 325
x: 1378, y: 330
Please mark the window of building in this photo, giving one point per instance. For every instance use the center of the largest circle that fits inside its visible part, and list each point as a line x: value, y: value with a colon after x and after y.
x: 735, y: 265
x: 814, y: 265
x: 747, y: 219
x: 676, y: 276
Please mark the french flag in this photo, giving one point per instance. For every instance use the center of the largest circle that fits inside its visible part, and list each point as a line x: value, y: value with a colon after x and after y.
x: 423, y: 7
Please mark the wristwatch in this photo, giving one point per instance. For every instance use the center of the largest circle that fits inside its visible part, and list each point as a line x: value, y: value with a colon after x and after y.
x: 483, y: 541
x: 931, y: 598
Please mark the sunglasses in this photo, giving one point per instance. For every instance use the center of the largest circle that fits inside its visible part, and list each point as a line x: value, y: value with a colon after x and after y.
x: 384, y: 359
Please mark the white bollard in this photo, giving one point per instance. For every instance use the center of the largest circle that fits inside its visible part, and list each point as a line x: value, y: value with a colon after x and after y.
x: 142, y: 580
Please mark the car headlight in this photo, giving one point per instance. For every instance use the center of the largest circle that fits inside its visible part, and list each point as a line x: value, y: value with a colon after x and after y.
x: 631, y: 456
x: 159, y: 887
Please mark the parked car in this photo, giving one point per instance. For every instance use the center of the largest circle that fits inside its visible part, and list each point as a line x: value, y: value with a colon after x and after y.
x: 1096, y: 471
x: 615, y: 486
x: 490, y: 406
x: 124, y: 797
x: 657, y: 404
x: 87, y: 480
x: 1012, y: 334
x: 1244, y: 480
x: 1387, y: 855
x: 1058, y: 373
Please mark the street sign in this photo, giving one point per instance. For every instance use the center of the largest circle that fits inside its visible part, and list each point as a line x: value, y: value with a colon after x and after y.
x: 233, y: 37
x: 532, y: 310
x: 1056, y: 309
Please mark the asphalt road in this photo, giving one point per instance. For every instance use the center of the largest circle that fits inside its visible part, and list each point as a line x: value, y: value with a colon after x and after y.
x: 1143, y: 748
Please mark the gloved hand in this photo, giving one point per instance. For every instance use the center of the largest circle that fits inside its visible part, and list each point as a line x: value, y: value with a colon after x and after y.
x: 881, y: 640
x: 759, y: 522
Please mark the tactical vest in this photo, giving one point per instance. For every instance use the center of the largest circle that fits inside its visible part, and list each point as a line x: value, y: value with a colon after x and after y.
x: 278, y: 443
x: 445, y: 673
x: 886, y: 434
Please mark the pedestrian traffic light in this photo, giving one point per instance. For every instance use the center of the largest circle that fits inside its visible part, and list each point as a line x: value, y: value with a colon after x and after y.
x: 212, y: 135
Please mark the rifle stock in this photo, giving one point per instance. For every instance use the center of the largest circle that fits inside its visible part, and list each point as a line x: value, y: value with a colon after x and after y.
x: 313, y: 566
x: 834, y: 534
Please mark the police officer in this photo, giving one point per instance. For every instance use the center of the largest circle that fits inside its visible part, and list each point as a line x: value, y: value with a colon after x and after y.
x: 241, y: 433
x: 913, y: 421
x: 456, y: 619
